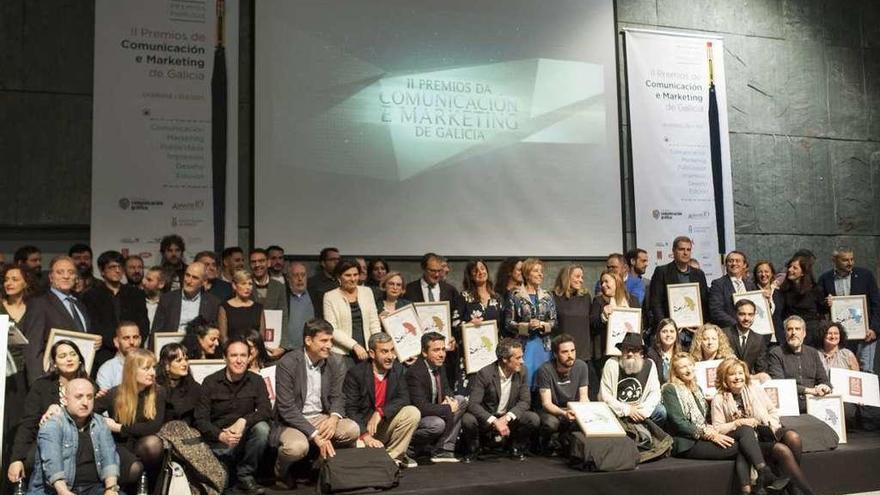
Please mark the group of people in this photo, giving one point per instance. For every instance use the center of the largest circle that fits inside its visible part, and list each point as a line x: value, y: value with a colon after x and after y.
x: 338, y: 382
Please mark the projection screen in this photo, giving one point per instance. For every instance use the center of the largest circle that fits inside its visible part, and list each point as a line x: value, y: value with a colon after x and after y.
x: 393, y: 127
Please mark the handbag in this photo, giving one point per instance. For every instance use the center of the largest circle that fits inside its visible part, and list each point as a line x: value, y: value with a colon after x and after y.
x: 352, y: 470
x: 172, y: 479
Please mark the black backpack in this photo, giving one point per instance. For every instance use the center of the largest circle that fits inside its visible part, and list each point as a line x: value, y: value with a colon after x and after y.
x: 353, y: 470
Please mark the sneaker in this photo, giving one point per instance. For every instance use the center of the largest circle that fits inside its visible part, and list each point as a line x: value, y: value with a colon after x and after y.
x: 444, y: 456
x: 407, y: 462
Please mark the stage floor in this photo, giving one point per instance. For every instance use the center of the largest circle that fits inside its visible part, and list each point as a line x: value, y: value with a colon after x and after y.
x: 853, y: 467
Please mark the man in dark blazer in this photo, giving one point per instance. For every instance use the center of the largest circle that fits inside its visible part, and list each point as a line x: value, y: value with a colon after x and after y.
x: 721, y: 311
x: 846, y: 279
x: 170, y: 314
x: 677, y: 272
x: 500, y: 401
x: 109, y: 301
x: 441, y: 410
x: 377, y: 399
x: 309, y: 402
x: 748, y: 345
x: 57, y: 308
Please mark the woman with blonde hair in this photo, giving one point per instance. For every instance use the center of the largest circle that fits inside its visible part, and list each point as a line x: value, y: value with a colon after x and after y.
x: 391, y: 288
x: 694, y: 438
x: 710, y: 343
x: 739, y: 402
x: 136, y: 409
x: 613, y: 295
x: 530, y: 315
x: 240, y: 313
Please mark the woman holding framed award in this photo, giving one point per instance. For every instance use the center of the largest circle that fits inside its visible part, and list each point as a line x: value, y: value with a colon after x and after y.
x: 391, y: 287
x: 613, y: 295
x: 763, y: 275
x: 530, y: 315
x: 833, y: 352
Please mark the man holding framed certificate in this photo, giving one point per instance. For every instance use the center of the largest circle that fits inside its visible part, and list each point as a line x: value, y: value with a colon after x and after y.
x: 679, y: 271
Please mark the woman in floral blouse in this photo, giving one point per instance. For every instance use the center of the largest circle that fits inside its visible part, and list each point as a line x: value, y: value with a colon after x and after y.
x: 479, y: 302
x: 530, y: 315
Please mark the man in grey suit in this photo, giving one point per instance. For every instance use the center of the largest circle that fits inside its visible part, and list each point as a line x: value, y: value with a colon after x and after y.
x: 721, y: 310
x: 269, y: 292
x: 309, y: 403
x: 500, y: 401
x: 179, y: 307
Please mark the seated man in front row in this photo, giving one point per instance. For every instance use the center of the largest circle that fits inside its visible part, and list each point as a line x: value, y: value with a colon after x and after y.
x: 430, y: 392
x: 795, y: 360
x: 561, y: 380
x: 76, y: 453
x: 630, y: 385
x: 500, y: 401
x: 233, y: 414
x: 309, y: 403
x: 377, y: 399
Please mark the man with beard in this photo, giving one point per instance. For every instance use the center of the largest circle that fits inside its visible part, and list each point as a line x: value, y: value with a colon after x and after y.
x: 299, y: 304
x: 179, y: 307
x: 276, y: 262
x: 322, y: 282
x: 377, y: 399
x: 127, y: 338
x: 110, y: 302
x: 214, y: 285
x: 153, y: 284
x: 171, y: 247
x: 636, y: 283
x: 233, y: 260
x: 561, y: 380
x: 270, y: 293
x: 134, y: 271
x: 794, y: 360
x: 747, y: 345
x: 81, y: 254
x: 499, y: 403
x: 629, y: 383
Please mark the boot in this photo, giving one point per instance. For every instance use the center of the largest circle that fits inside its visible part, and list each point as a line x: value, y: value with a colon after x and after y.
x: 768, y: 480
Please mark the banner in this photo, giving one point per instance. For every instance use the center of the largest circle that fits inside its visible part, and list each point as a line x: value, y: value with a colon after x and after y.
x: 680, y: 146
x: 165, y: 140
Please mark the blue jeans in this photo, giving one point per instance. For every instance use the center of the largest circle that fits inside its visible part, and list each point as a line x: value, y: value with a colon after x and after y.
x: 245, y: 456
x: 865, y: 354
x: 659, y: 414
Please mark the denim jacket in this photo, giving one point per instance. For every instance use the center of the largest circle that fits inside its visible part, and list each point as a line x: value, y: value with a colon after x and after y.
x: 57, y: 443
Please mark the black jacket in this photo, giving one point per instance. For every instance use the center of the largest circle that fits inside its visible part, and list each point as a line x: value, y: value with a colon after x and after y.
x: 418, y: 380
x: 360, y: 393
x: 167, y: 317
x: 46, y: 312
x: 755, y: 353
x: 721, y: 309
x: 486, y: 393
x: 668, y: 275
x: 99, y: 300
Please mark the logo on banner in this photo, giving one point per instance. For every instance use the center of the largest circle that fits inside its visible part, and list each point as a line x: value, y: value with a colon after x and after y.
x: 703, y: 214
x: 656, y: 214
x: 185, y: 222
x: 137, y: 204
x: 124, y: 203
x: 665, y: 214
x: 189, y: 205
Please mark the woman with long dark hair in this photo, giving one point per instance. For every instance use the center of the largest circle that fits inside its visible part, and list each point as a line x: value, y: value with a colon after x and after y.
x: 202, y: 340
x: 181, y: 390
x: 801, y: 296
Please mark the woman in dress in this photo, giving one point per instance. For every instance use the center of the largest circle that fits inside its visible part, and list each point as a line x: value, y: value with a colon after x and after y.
x: 478, y: 303
x: 530, y: 315
x: 202, y: 340
x: 694, y: 438
x: 764, y: 275
x: 613, y: 295
x: 240, y: 313
x: 573, y: 314
x: 351, y: 310
x: 665, y: 346
x: 43, y: 401
x: 801, y: 296
x: 710, y: 343
x: 136, y: 411
x: 739, y: 402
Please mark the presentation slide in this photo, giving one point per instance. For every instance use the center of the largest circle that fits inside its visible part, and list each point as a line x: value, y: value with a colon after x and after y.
x: 388, y: 127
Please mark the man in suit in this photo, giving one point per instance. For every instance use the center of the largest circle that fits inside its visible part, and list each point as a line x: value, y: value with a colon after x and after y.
x: 500, y: 401
x: 134, y: 270
x: 679, y: 271
x: 276, y: 263
x: 377, y: 399
x: 179, y: 307
x: 430, y: 392
x: 749, y: 346
x: 324, y: 281
x: 109, y: 301
x: 721, y: 311
x: 846, y: 279
x: 214, y: 285
x: 270, y: 293
x: 81, y: 254
x: 309, y: 403
x: 57, y: 308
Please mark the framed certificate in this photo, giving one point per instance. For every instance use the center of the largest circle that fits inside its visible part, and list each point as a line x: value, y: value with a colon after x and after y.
x: 620, y: 322
x: 705, y: 373
x: 685, y: 306
x: 200, y: 368
x: 852, y: 313
x: 161, y: 339
x: 435, y: 317
x: 783, y: 396
x: 85, y: 342
x: 596, y: 419
x: 405, y: 329
x: 480, y: 341
x: 274, y: 322
x: 268, y: 375
x: 829, y: 410
x: 763, y: 322
x: 856, y: 387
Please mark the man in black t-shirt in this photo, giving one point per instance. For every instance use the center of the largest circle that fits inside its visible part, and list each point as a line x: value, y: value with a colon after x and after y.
x: 561, y: 380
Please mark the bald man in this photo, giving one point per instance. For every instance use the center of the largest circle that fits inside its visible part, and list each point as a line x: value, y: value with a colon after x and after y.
x: 179, y: 307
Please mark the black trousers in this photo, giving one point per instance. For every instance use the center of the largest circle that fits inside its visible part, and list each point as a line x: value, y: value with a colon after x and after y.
x: 520, y: 430
x: 746, y: 451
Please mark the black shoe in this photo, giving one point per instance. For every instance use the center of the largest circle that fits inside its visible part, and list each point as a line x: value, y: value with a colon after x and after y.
x: 517, y: 454
x: 250, y: 487
x: 768, y: 480
x: 469, y: 458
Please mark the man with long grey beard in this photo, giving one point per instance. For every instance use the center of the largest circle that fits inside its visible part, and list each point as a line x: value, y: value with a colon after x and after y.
x: 630, y: 385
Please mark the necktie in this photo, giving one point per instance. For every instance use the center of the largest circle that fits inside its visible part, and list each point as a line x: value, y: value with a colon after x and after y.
x: 738, y: 286
x: 438, y: 385
x: 431, y: 292
x: 742, y: 341
x: 78, y: 324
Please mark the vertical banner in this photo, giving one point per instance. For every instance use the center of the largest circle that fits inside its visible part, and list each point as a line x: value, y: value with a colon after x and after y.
x: 680, y: 147
x: 165, y: 139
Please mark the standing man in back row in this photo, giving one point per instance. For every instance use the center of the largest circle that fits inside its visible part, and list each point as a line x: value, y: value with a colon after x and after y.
x: 323, y: 281
x: 679, y: 271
